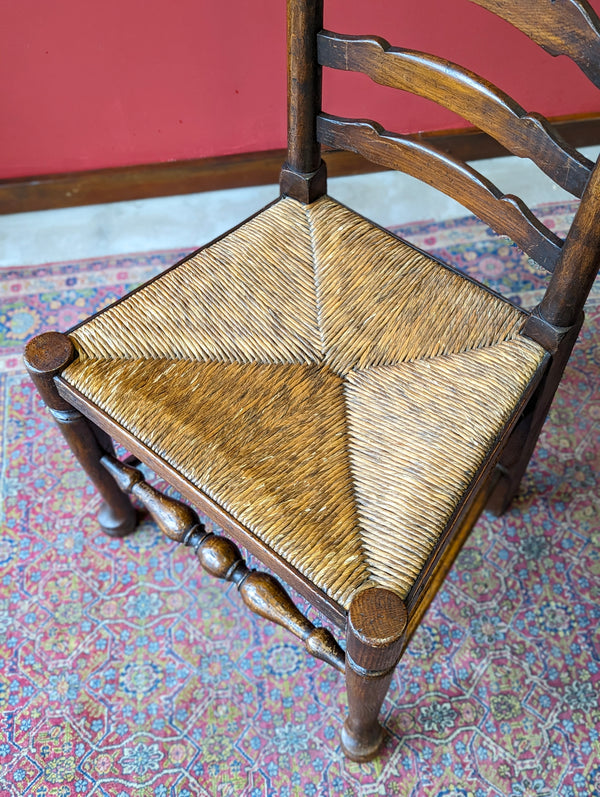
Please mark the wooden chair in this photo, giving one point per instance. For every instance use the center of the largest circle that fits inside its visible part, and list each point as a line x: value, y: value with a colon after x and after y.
x: 340, y: 403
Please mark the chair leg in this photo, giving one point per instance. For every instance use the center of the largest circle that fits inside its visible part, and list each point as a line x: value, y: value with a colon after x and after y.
x: 45, y: 357
x: 375, y: 639
x: 521, y: 444
x: 514, y: 461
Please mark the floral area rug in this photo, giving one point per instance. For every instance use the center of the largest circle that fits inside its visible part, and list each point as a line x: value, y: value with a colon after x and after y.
x: 126, y: 671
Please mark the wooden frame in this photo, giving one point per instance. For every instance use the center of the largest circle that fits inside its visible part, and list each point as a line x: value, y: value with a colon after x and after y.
x: 378, y: 620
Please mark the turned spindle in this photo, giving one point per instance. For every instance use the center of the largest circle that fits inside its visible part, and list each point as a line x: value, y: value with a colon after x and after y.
x: 222, y: 559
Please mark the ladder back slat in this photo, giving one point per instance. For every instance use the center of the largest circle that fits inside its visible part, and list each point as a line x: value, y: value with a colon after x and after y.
x: 561, y: 27
x: 465, y: 93
x: 506, y: 214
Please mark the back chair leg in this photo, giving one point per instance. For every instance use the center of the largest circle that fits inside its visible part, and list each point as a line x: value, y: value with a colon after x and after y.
x: 45, y: 357
x: 375, y: 639
x: 515, y: 459
x: 519, y: 448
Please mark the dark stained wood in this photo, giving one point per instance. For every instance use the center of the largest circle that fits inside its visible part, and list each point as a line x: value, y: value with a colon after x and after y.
x: 521, y: 443
x: 303, y: 187
x: 174, y: 518
x: 506, y: 214
x: 569, y: 27
x: 304, y: 20
x: 261, y: 593
x: 42, y: 192
x: 544, y: 333
x: 303, y: 176
x: 374, y: 642
x: 462, y: 91
x: 265, y: 596
x: 45, y: 356
x: 578, y: 266
x: 139, y: 181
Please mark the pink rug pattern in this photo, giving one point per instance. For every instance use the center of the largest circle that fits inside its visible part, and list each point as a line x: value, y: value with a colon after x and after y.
x: 126, y: 671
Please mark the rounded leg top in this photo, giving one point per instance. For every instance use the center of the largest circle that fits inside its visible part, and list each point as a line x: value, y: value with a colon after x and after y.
x: 375, y: 636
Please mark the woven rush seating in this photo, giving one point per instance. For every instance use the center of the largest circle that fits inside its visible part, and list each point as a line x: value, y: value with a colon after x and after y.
x: 332, y: 388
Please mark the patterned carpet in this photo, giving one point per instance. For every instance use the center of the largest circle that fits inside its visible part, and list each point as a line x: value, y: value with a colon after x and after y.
x: 125, y: 671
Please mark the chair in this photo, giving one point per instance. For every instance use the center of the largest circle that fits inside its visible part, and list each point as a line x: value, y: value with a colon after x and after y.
x: 342, y: 404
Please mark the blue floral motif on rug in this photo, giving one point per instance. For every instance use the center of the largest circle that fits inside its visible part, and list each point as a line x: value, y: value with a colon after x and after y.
x: 124, y: 670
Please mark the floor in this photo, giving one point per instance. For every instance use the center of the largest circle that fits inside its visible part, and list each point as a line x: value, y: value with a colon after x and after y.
x: 194, y: 219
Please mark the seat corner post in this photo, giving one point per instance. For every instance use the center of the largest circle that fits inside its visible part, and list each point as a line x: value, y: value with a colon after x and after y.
x: 46, y: 356
x: 375, y: 639
x: 306, y: 188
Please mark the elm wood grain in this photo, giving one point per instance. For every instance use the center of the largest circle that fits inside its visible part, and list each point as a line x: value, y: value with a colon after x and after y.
x: 569, y: 27
x: 220, y: 558
x: 45, y: 357
x: 332, y: 610
x: 464, y: 92
x: 521, y: 443
x: 305, y: 188
x: 544, y: 333
x: 578, y: 265
x: 42, y: 192
x: 304, y: 175
x: 506, y: 214
x: 374, y: 642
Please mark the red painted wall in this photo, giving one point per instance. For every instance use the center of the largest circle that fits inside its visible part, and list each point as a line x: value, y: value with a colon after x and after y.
x: 87, y: 85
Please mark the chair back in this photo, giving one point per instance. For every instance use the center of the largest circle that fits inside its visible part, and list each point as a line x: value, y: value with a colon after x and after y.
x: 567, y: 27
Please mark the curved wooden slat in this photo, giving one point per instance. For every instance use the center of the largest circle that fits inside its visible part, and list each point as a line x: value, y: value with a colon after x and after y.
x: 465, y: 93
x: 561, y: 27
x: 506, y: 214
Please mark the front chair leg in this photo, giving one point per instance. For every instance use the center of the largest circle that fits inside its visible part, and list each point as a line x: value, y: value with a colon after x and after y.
x: 375, y: 638
x: 45, y: 357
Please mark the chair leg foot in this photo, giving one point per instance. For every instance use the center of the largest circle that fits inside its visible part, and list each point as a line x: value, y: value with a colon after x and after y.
x: 361, y: 748
x: 375, y: 638
x: 115, y: 525
x: 117, y: 516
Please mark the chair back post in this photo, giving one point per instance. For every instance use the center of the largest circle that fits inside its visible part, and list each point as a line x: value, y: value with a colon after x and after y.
x: 578, y: 265
x: 303, y: 176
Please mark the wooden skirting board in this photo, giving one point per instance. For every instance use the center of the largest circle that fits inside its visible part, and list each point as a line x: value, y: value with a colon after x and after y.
x: 234, y: 171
